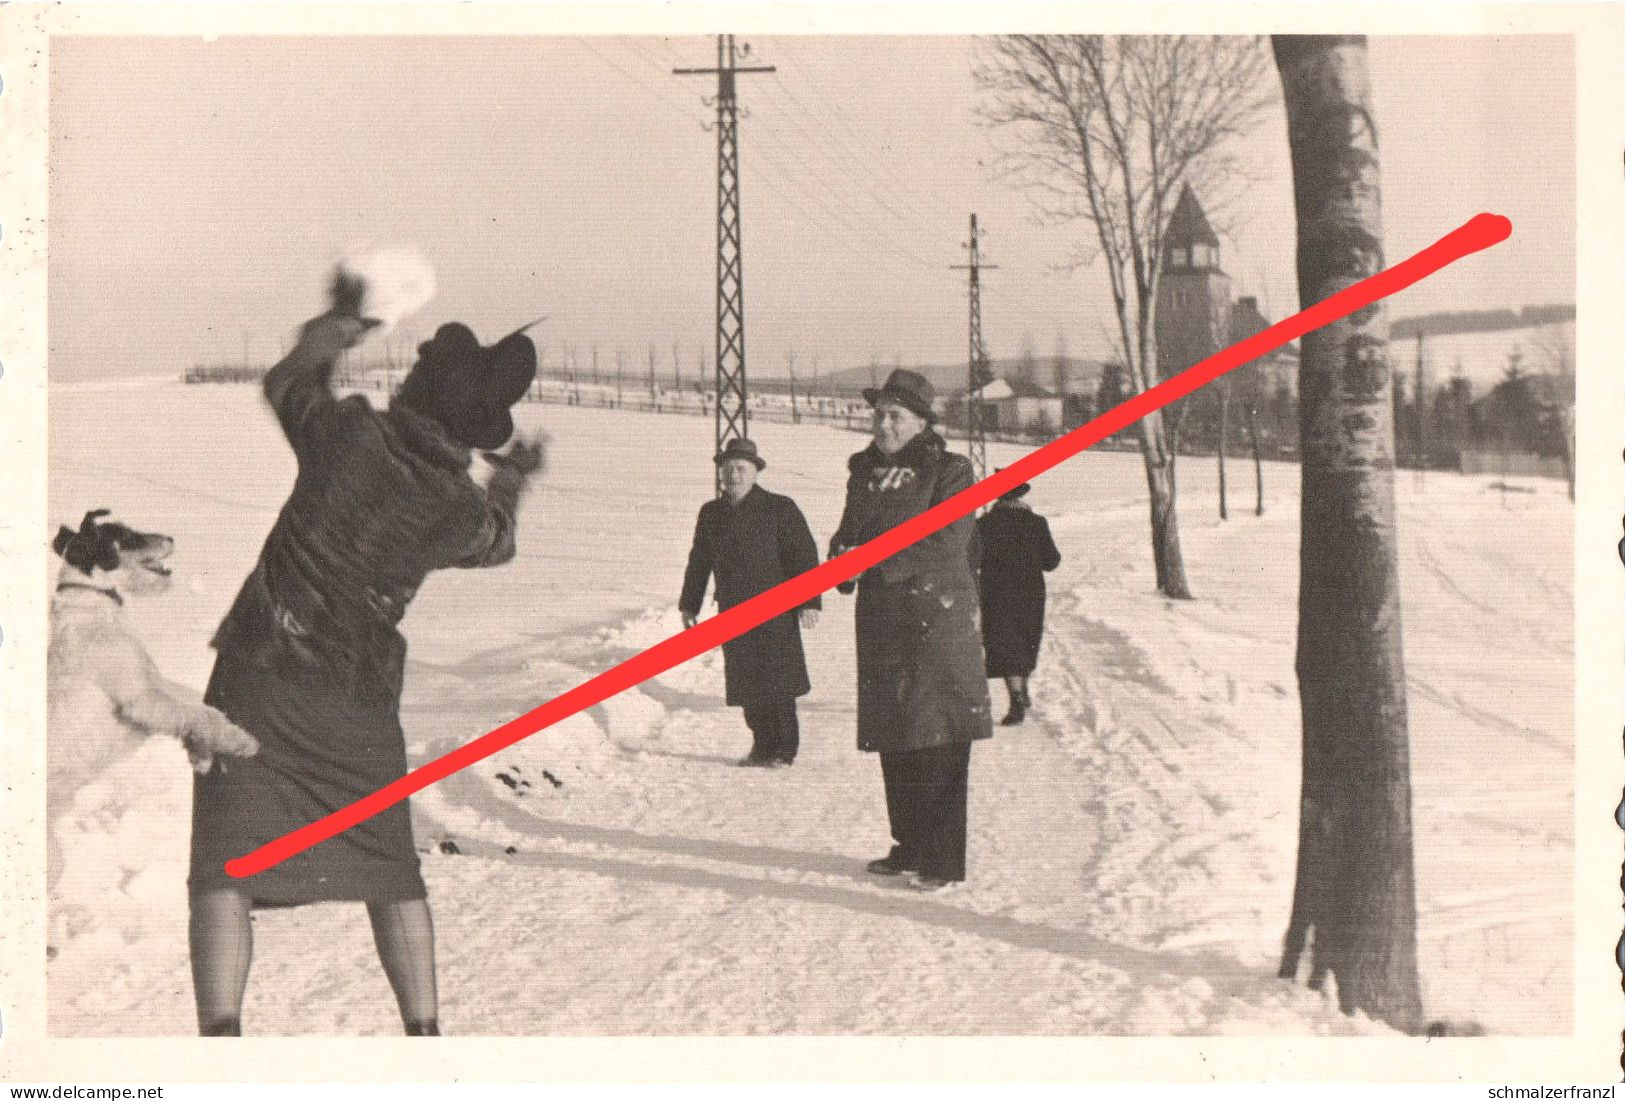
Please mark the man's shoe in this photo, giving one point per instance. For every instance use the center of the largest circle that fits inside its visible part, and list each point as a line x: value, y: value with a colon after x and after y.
x: 891, y: 864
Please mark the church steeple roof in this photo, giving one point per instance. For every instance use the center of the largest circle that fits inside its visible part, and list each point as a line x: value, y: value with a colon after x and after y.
x: 1189, y: 225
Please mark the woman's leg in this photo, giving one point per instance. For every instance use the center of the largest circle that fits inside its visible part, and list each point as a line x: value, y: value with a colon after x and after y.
x: 404, y: 933
x: 222, y: 941
x: 1017, y: 687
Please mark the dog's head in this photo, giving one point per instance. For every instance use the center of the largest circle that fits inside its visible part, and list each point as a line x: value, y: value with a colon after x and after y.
x: 112, y: 553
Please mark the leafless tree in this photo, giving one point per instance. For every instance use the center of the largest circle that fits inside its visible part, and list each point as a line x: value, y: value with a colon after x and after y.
x: 1106, y: 130
x: 1354, y: 905
x: 1223, y: 385
x: 1062, y: 385
x: 1554, y: 352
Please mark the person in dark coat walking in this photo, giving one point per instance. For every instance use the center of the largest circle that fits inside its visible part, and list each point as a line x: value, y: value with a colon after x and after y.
x: 922, y: 695
x: 753, y: 540
x: 310, y: 659
x: 1013, y: 550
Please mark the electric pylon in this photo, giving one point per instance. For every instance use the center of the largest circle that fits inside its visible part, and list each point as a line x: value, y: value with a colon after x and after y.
x: 977, y: 372
x: 732, y: 412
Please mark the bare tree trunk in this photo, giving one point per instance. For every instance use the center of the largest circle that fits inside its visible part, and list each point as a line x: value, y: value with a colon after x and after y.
x: 1159, y: 479
x: 1224, y: 437
x: 1258, y: 460
x: 1568, y: 443
x: 1355, y: 903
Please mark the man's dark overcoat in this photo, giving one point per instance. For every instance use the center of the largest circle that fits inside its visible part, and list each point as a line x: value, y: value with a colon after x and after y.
x: 750, y: 547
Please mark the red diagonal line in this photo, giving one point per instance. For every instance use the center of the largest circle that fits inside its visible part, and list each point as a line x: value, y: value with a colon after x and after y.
x: 1480, y: 233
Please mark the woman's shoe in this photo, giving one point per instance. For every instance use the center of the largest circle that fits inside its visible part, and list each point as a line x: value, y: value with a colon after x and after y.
x: 1017, y: 712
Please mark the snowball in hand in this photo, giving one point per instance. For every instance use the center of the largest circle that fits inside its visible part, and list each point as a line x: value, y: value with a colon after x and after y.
x: 398, y: 282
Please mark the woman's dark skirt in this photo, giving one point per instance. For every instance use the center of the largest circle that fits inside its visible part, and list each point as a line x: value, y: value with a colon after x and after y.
x: 1012, y: 626
x: 326, y: 740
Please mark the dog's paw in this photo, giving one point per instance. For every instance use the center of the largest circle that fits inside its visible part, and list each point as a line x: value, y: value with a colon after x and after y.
x: 202, y: 760
x: 213, y: 733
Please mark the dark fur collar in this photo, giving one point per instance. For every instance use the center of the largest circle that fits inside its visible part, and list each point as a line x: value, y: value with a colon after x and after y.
x: 922, y: 450
x: 425, y: 436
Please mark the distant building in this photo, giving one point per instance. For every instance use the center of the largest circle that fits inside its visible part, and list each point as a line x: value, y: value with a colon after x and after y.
x: 1013, y: 406
x: 1197, y: 318
x: 1193, y: 296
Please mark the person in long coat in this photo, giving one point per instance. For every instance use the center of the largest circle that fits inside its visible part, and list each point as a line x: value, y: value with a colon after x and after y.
x: 1013, y: 550
x: 310, y: 660
x: 752, y: 540
x: 922, y: 695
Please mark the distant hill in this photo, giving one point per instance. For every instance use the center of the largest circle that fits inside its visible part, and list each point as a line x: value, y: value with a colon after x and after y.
x: 1479, y: 321
x: 949, y: 378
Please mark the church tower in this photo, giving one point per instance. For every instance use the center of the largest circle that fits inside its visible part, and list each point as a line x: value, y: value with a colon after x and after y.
x: 1193, y: 296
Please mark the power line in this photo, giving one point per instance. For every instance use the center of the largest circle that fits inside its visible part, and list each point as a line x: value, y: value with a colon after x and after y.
x: 808, y: 72
x: 861, y: 247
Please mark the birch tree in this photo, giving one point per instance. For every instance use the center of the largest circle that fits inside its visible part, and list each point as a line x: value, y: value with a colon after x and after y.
x: 1106, y: 130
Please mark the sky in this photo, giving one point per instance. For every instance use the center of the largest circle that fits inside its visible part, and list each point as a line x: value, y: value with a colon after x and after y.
x: 201, y: 190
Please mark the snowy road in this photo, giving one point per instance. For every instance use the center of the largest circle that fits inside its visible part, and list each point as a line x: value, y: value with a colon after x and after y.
x: 1131, y: 846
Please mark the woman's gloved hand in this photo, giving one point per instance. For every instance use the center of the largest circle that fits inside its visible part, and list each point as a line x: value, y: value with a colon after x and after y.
x: 527, y: 455
x: 323, y: 338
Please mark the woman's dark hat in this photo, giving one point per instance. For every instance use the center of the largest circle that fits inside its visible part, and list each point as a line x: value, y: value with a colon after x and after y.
x: 739, y: 448
x: 1015, y: 494
x: 469, y: 388
x: 910, y: 389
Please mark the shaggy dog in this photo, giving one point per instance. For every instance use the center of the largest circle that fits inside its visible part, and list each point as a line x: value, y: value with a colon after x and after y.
x: 104, y: 693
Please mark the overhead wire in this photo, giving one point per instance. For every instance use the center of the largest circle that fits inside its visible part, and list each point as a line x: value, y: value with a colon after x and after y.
x: 860, y: 243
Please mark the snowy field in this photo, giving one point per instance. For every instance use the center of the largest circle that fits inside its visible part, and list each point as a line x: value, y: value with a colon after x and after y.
x: 1132, y: 845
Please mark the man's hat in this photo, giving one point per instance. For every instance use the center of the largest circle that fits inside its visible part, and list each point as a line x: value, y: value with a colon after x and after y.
x: 740, y: 448
x: 910, y: 389
x: 469, y: 388
x: 1015, y: 494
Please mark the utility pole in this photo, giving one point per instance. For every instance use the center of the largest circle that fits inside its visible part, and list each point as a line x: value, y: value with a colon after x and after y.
x: 795, y: 414
x: 977, y: 372
x: 732, y: 397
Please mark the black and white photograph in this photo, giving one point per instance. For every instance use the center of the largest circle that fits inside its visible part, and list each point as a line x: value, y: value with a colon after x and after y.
x: 396, y: 374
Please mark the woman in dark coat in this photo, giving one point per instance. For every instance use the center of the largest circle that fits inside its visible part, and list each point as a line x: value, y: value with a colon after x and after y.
x: 752, y: 540
x: 1014, y: 550
x: 309, y: 658
x: 922, y: 696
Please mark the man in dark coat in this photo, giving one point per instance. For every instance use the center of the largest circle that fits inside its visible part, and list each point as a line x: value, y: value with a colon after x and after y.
x: 922, y: 697
x: 1013, y: 550
x: 753, y: 540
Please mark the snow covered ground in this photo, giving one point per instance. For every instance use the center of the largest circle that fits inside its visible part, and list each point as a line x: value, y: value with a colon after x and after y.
x: 1132, y: 845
